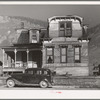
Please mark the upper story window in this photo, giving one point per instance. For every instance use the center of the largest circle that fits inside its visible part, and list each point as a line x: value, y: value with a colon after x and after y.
x: 50, y: 54
x: 70, y: 55
x: 33, y: 36
x: 63, y: 54
x: 65, y: 29
x: 77, y: 55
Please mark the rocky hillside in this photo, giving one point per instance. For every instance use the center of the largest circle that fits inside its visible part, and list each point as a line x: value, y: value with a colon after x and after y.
x: 94, y: 44
x: 8, y: 24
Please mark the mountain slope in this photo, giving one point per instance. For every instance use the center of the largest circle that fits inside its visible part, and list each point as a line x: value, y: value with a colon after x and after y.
x: 8, y: 24
x: 94, y: 44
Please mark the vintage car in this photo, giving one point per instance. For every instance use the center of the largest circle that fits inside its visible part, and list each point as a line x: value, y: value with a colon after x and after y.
x: 31, y: 77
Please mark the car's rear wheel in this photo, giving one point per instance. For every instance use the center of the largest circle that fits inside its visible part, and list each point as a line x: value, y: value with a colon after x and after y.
x: 10, y: 83
x: 43, y: 84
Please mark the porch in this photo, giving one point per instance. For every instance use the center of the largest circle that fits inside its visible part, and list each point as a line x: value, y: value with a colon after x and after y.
x: 18, y: 58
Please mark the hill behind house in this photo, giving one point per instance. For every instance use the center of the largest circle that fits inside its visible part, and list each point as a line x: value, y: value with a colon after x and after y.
x: 8, y: 24
x: 94, y: 44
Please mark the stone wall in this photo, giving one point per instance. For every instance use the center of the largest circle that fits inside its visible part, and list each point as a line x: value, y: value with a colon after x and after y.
x: 81, y: 82
x: 73, y: 71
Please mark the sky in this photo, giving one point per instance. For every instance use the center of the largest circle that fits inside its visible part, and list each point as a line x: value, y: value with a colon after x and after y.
x: 90, y: 13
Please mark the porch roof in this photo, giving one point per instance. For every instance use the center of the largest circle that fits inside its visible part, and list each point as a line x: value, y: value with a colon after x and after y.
x: 22, y: 47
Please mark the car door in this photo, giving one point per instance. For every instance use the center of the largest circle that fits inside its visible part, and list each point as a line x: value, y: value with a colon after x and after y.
x: 38, y: 76
x: 28, y: 78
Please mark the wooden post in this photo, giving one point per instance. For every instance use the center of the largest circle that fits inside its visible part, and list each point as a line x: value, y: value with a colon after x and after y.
x: 3, y: 57
x: 27, y: 56
x: 10, y: 61
x: 15, y: 51
x: 7, y: 61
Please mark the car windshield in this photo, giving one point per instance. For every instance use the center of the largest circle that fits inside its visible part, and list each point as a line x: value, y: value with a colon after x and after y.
x: 46, y: 72
x: 29, y: 72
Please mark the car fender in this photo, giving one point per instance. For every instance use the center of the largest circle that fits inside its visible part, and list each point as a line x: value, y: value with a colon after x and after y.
x: 48, y: 82
x: 16, y: 81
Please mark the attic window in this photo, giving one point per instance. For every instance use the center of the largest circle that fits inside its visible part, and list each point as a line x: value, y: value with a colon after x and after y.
x: 61, y: 25
x: 65, y: 29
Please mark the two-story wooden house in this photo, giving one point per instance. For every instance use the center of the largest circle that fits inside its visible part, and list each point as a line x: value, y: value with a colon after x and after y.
x: 66, y: 53
x: 26, y: 51
x: 59, y: 48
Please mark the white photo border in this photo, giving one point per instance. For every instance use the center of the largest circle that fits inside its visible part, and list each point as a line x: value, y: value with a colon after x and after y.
x: 49, y: 94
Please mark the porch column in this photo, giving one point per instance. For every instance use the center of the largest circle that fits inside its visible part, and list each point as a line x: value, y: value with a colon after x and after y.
x: 3, y: 57
x: 15, y: 51
x: 10, y: 61
x: 27, y: 56
x: 7, y: 61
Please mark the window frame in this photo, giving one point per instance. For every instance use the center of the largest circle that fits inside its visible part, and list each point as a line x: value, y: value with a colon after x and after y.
x: 70, y: 56
x: 77, y: 61
x: 65, y: 29
x: 50, y: 55
x: 63, y: 55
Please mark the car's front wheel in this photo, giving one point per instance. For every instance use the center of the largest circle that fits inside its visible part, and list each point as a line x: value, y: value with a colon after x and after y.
x: 10, y: 83
x: 43, y: 84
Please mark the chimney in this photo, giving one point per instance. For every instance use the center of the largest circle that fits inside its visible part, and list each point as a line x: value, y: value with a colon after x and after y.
x: 22, y: 25
x: 85, y: 29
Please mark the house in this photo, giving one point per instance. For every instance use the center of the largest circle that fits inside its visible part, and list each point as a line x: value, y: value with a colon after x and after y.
x: 60, y: 48
x: 66, y: 52
x: 26, y: 51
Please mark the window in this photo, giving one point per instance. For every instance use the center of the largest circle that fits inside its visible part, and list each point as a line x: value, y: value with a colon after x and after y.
x: 77, y: 54
x: 30, y: 72
x: 63, y: 54
x: 46, y: 72
x: 34, y: 39
x: 50, y: 54
x: 70, y: 54
x: 39, y: 72
x: 65, y: 29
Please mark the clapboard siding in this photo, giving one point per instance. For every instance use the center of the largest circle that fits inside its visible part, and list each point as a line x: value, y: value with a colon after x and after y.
x: 71, y: 66
x: 80, y: 69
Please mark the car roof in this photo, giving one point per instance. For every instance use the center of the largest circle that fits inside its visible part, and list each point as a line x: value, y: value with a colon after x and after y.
x: 37, y: 69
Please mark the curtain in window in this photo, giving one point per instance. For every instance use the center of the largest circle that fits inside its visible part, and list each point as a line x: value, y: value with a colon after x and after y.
x: 50, y: 55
